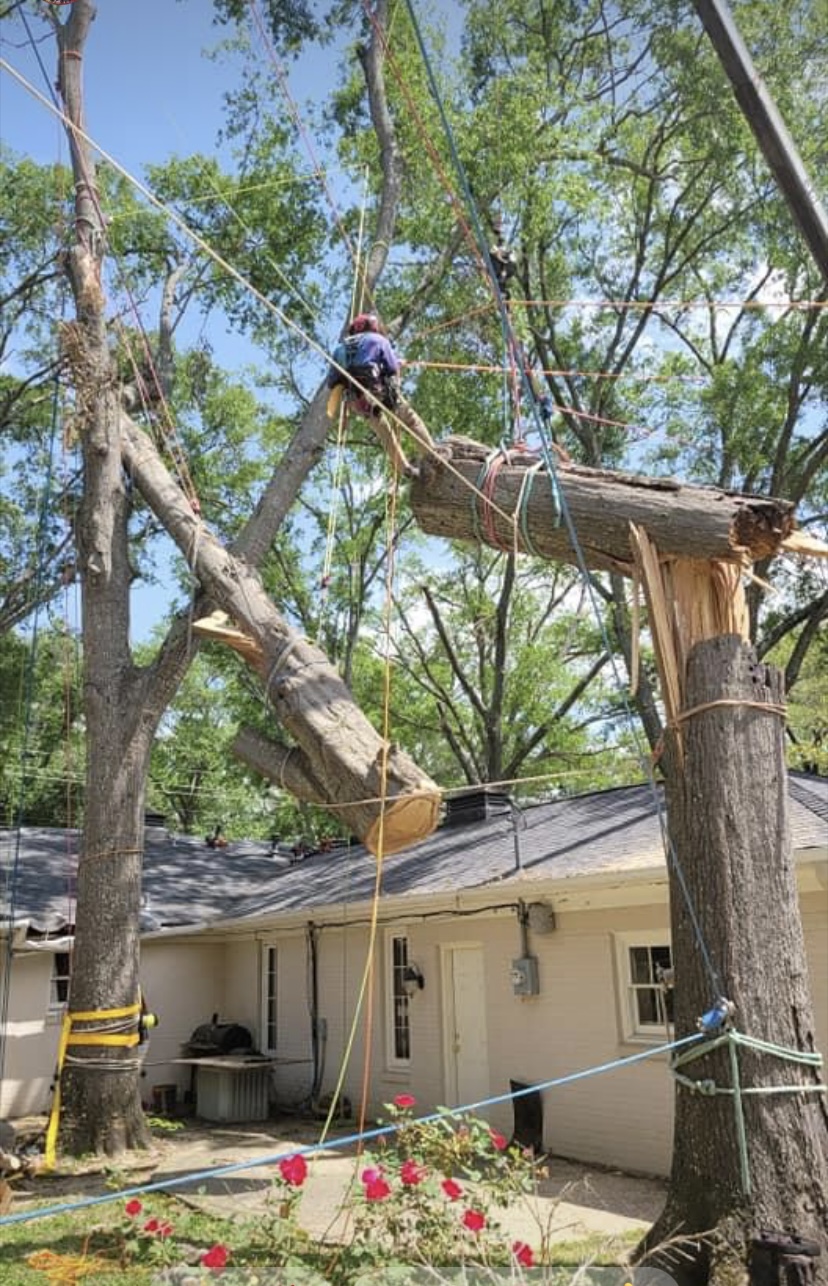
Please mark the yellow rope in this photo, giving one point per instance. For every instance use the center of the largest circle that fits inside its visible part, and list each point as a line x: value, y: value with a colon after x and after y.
x: 365, y: 988
x: 66, y: 1270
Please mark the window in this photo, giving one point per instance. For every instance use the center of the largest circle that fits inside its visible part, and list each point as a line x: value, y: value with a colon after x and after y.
x: 399, y: 1024
x: 270, y: 1006
x: 61, y: 967
x: 646, y: 1004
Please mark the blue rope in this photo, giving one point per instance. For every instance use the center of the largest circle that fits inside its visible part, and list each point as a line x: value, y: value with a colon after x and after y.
x: 381, y: 1131
x: 562, y: 509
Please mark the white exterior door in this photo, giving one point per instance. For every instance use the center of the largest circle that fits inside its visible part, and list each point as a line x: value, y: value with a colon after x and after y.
x: 466, y: 1051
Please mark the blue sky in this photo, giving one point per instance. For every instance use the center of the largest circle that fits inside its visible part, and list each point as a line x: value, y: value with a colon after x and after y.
x: 149, y: 90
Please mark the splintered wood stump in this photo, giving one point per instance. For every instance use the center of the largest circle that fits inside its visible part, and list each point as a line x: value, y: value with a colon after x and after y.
x: 372, y: 787
x: 681, y: 520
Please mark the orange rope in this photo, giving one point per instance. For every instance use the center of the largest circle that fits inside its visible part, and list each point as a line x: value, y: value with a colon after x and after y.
x: 489, y: 369
x: 655, y: 304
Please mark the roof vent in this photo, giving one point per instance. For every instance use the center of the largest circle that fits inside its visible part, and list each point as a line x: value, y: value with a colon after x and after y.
x: 476, y: 805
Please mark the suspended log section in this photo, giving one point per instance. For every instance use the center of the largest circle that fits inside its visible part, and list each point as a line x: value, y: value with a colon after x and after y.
x: 724, y: 758
x: 522, y: 511
x: 338, y: 759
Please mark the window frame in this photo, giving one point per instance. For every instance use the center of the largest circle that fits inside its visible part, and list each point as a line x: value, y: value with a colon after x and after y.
x: 632, y: 1028
x: 396, y: 996
x: 59, y: 981
x: 269, y: 1018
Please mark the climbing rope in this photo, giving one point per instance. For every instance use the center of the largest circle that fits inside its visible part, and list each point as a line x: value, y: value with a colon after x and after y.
x: 358, y: 1139
x: 733, y: 1040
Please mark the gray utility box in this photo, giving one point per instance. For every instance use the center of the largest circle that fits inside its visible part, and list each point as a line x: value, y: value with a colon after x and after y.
x: 525, y: 976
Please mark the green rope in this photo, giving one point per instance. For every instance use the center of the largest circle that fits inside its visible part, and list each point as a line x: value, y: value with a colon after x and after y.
x: 739, y: 1118
x: 524, y: 496
x: 708, y: 1087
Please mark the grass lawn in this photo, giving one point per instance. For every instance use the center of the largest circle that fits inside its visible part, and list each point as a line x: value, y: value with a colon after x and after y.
x: 93, y: 1241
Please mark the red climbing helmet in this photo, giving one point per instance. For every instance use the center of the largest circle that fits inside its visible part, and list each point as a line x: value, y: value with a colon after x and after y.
x: 362, y: 323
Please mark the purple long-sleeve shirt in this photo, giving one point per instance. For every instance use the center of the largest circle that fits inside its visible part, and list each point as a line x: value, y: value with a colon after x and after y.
x: 363, y: 350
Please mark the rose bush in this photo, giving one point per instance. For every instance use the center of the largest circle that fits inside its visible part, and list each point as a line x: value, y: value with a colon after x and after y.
x: 428, y: 1195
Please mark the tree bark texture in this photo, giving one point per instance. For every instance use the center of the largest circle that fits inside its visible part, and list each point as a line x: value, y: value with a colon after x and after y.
x: 728, y: 824
x: 686, y: 521
x: 101, y: 1103
x: 370, y: 785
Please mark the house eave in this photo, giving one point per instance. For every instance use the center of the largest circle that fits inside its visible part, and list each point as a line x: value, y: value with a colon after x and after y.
x: 645, y: 885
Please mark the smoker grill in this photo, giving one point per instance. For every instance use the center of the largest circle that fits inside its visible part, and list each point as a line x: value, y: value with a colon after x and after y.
x: 214, y: 1038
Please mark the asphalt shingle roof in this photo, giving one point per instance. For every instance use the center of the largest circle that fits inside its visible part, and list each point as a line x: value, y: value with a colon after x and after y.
x: 187, y: 882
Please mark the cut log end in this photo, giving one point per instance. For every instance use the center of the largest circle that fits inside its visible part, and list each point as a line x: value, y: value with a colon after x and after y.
x: 407, y: 820
x: 761, y: 527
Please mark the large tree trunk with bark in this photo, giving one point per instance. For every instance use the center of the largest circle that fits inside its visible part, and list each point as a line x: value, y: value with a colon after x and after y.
x: 102, y: 1107
x: 520, y: 511
x: 728, y: 823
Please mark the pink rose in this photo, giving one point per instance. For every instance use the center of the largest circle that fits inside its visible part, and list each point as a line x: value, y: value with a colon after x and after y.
x: 452, y: 1189
x: 294, y: 1170
x: 377, y: 1190
x: 474, y: 1220
x: 215, y: 1257
x: 411, y: 1173
x: 523, y: 1254
x: 405, y: 1100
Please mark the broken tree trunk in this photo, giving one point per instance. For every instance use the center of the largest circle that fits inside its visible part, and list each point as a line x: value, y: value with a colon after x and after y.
x: 727, y: 814
x: 371, y: 786
x: 521, y: 512
x: 736, y: 932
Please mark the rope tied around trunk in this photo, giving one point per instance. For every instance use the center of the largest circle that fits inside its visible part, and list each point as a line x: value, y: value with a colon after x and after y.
x: 708, y: 1087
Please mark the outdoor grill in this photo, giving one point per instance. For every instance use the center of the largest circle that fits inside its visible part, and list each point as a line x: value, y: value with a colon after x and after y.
x: 212, y: 1039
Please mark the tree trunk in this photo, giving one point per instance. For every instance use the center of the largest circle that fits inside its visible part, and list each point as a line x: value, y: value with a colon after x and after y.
x: 728, y: 823
x: 102, y: 1111
x: 370, y: 785
x: 685, y: 521
x: 102, y: 1106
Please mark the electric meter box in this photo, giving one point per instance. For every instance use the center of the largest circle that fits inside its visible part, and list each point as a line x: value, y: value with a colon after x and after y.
x: 525, y: 976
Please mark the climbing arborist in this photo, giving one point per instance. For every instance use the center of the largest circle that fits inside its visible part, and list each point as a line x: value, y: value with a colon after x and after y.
x: 372, y: 366
x: 505, y: 266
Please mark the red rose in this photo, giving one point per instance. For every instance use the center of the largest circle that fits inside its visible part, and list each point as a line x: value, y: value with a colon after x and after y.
x: 411, y: 1173
x: 294, y: 1170
x: 474, y: 1220
x: 498, y: 1141
x: 523, y: 1254
x: 164, y: 1229
x: 152, y: 1225
x: 405, y: 1100
x: 452, y: 1189
x: 377, y: 1190
x: 216, y: 1257
x: 133, y: 1208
